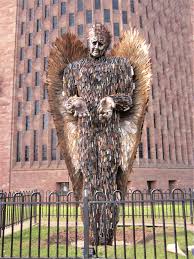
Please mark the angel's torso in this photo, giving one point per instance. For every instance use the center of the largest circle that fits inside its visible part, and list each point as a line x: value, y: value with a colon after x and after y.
x: 94, y: 79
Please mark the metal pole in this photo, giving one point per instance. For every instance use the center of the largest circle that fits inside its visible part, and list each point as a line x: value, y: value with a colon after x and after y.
x: 191, y: 193
x: 1, y: 214
x: 86, y: 224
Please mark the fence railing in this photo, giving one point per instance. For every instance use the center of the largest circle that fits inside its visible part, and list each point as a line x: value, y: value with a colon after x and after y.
x: 36, y: 225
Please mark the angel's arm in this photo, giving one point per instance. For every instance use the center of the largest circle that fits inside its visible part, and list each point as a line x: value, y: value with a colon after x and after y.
x: 73, y: 104
x: 126, y: 86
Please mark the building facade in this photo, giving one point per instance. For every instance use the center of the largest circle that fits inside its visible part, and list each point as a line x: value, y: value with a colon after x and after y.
x: 30, y: 157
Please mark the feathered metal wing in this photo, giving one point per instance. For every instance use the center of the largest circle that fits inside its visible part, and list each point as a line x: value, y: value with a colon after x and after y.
x: 133, y: 47
x: 65, y: 50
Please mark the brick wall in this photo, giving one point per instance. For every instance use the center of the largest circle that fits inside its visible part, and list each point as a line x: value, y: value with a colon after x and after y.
x: 7, y: 48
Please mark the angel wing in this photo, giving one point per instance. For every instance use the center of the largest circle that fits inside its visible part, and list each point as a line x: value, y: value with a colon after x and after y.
x: 133, y: 47
x: 65, y: 50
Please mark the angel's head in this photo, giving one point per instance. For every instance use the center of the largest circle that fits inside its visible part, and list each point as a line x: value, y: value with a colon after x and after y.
x: 99, y: 40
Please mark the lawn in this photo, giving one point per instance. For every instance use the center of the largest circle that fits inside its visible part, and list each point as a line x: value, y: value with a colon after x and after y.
x: 61, y: 249
x: 157, y: 210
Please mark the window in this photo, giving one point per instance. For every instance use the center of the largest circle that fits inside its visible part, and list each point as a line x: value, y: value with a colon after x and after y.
x: 158, y: 78
x: 80, y: 30
x: 45, y: 63
x: 27, y: 153
x: 22, y: 4
x: 149, y: 37
x: 152, y: 3
x: 154, y: 120
x: 176, y: 147
x: 27, y: 124
x: 22, y: 28
x: 63, y: 8
x: 97, y: 4
x: 54, y: 1
x: 38, y: 3
x: 169, y: 151
x: 38, y: 25
x: 44, y: 152
x: 45, y: 93
x: 156, y: 52
x: 154, y: 27
x: 46, y: 11
x: 45, y: 121
x: 163, y: 68
x: 71, y: 19
x: 21, y: 79
x: 80, y: 5
x: 163, y: 153
x: 115, y: 4
x: 160, y: 108
x: 28, y: 94
x: 171, y: 184
x: 18, y: 147
x: 152, y: 91
x: 147, y: 12
x: 140, y: 150
x: 167, y: 122
x: 19, y: 109
x: 168, y: 57
x: 36, y: 107
x: 161, y: 43
x: 88, y: 16
x: 132, y: 6
x: 148, y: 143
x: 30, y: 38
x: 106, y: 15
x: 54, y: 23
x: 124, y: 17
x: 63, y: 30
x: 35, y: 145
x: 46, y: 36
x: 53, y: 144
x: 38, y: 51
x: 37, y: 78
x: 151, y: 185
x: 116, y: 29
x: 140, y: 22
x: 156, y: 150
x: 30, y: 12
x: 21, y: 53
x: 63, y: 187
x: 29, y: 66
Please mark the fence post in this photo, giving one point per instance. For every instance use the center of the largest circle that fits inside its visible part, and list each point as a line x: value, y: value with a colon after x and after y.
x: 86, y: 223
x: 191, y: 198
x: 35, y: 208
x: 1, y: 213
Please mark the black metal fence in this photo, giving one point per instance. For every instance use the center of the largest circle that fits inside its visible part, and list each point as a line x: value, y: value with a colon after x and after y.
x: 50, y: 225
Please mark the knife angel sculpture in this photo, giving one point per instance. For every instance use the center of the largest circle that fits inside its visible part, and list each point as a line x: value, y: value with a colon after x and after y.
x: 98, y: 104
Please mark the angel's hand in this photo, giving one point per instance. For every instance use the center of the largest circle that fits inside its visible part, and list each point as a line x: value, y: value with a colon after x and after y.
x: 76, y: 105
x: 105, y: 108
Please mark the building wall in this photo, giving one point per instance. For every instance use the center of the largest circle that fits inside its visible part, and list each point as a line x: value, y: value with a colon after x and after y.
x: 167, y: 134
x: 7, y: 50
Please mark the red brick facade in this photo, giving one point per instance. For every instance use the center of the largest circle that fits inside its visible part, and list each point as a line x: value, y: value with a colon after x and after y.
x: 166, y: 153
x: 7, y: 67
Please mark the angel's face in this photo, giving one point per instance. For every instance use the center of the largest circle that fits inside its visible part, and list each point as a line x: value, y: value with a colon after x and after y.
x: 97, y: 47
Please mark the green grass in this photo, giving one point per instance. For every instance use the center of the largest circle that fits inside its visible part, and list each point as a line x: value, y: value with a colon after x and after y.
x: 168, y: 212
x: 101, y: 252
